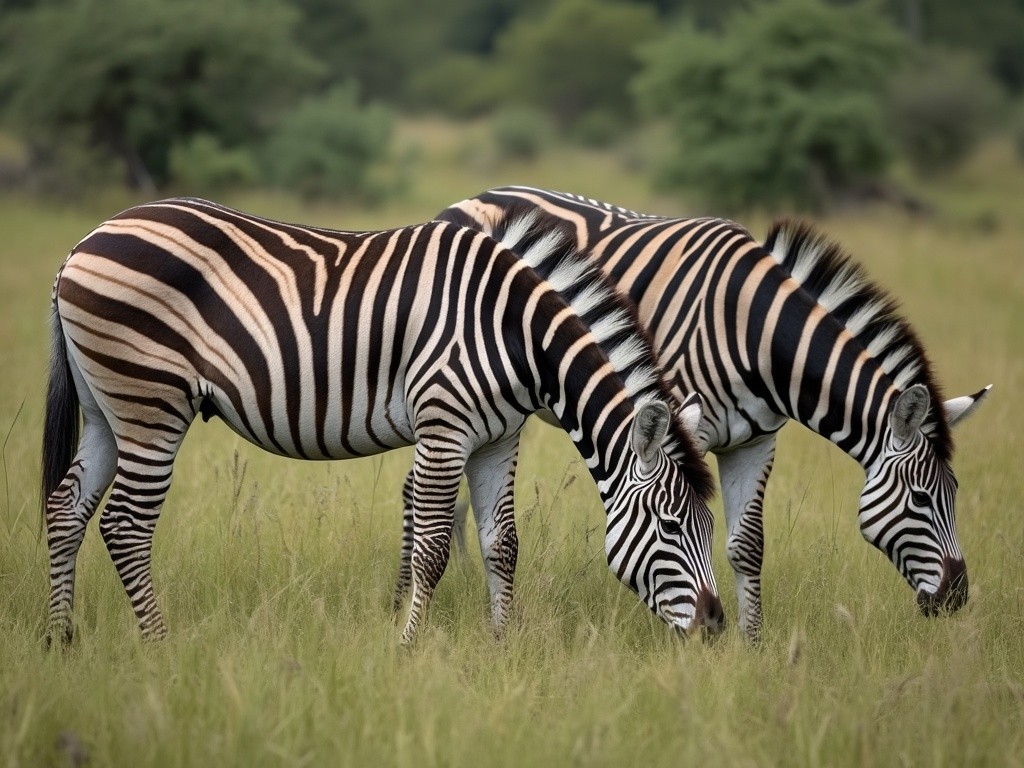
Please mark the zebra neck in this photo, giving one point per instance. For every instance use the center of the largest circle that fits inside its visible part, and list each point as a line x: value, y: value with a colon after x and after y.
x: 811, y: 369
x: 577, y: 383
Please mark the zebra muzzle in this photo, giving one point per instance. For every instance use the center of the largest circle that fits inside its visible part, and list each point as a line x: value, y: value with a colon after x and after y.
x: 952, y: 592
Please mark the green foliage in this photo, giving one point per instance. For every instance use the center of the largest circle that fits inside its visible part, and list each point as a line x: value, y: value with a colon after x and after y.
x: 520, y: 133
x: 136, y: 77
x: 328, y: 145
x: 1017, y: 129
x: 459, y: 84
x: 940, y: 107
x: 597, y: 128
x: 993, y: 30
x: 202, y: 165
x: 577, y: 57
x: 781, y: 108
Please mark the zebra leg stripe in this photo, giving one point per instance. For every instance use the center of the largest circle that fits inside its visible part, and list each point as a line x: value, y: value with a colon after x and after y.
x: 491, y: 475
x: 127, y: 524
x: 437, y: 470
x: 744, y: 473
x: 405, y: 559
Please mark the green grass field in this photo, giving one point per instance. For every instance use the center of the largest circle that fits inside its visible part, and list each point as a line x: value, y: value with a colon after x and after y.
x: 275, y: 576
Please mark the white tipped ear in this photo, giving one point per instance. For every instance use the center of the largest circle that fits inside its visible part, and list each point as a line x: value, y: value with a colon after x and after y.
x: 650, y: 425
x: 908, y: 413
x: 691, y: 412
x: 959, y: 408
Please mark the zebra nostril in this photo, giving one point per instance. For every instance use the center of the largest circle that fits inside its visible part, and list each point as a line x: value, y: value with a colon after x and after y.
x: 710, y: 616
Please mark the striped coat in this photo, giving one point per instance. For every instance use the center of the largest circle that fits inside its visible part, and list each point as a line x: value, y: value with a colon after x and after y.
x: 318, y: 344
x: 765, y: 333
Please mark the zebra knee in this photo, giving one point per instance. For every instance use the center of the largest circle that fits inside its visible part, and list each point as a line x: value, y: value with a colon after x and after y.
x: 430, y: 558
x: 745, y: 547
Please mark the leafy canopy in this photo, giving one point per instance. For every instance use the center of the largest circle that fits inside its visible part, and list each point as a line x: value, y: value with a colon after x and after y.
x: 135, y: 77
x: 783, y: 107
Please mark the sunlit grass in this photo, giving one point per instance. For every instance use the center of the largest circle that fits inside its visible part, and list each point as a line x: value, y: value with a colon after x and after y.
x: 275, y: 576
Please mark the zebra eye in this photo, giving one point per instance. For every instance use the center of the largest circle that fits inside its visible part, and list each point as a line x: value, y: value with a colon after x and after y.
x: 920, y: 499
x: 672, y: 527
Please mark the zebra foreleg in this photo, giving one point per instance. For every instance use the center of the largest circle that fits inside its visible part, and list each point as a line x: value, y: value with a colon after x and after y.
x: 404, y: 580
x: 744, y: 474
x: 437, y: 471
x: 491, y: 474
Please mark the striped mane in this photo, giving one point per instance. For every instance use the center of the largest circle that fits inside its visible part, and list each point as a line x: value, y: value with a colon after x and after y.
x: 611, y: 319
x: 870, y: 314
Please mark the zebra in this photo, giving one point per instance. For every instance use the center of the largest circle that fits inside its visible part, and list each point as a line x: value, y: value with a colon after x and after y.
x: 791, y: 329
x: 320, y: 344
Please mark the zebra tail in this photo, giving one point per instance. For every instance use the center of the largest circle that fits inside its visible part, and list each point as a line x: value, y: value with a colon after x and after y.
x: 61, y: 427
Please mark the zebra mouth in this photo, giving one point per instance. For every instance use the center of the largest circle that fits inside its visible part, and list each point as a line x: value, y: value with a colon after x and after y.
x: 683, y: 624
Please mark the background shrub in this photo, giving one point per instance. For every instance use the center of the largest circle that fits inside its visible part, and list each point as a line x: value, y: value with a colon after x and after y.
x: 784, y: 107
x: 328, y: 145
x: 203, y: 165
x: 520, y: 132
x: 939, y: 107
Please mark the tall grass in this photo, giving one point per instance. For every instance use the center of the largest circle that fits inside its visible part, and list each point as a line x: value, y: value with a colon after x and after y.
x: 275, y: 576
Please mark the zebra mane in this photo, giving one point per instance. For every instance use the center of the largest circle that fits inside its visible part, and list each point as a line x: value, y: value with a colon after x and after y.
x: 588, y: 201
x: 868, y: 312
x: 546, y: 245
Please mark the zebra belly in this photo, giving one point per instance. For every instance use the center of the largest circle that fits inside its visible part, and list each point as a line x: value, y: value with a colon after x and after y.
x: 311, y: 436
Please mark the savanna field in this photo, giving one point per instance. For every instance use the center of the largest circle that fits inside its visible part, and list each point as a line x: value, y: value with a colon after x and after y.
x: 275, y: 576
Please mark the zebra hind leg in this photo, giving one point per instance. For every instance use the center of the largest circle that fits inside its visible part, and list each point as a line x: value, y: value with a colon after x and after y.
x: 437, y: 471
x: 128, y: 521
x: 68, y: 511
x: 744, y: 474
x: 491, y: 474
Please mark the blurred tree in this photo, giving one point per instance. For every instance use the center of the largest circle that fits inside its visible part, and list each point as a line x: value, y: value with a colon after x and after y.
x: 328, y: 145
x: 994, y: 29
x: 939, y: 108
x: 578, y: 56
x: 782, y: 107
x: 136, y: 77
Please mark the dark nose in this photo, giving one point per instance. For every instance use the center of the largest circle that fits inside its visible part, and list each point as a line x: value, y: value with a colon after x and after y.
x: 952, y: 592
x: 709, y: 615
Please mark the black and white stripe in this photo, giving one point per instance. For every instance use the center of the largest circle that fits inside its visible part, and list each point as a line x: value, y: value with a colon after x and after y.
x: 791, y: 329
x: 318, y: 344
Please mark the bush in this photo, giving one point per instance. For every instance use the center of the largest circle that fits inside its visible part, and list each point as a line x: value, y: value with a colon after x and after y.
x: 597, y: 128
x: 520, y: 132
x: 1017, y: 127
x: 202, y: 165
x: 577, y: 56
x: 132, y: 79
x: 783, y: 107
x: 939, y: 108
x: 328, y: 146
x: 458, y: 84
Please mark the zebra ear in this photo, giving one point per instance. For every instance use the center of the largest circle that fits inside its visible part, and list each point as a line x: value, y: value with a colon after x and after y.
x: 908, y: 413
x: 959, y: 408
x: 691, y: 412
x: 650, y: 425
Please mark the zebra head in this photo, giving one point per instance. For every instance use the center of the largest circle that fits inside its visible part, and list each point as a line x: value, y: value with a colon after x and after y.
x: 907, y: 505
x: 658, y: 539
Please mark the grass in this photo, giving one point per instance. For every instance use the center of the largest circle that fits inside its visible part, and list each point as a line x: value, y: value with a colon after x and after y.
x: 275, y: 575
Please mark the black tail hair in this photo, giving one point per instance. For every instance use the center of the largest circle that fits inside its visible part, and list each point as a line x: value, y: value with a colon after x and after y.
x: 61, y: 427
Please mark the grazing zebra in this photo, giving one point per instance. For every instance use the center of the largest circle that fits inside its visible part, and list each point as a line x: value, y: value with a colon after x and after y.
x: 788, y: 330
x: 318, y: 344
